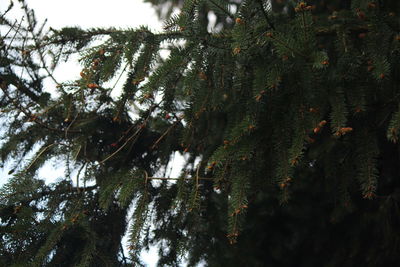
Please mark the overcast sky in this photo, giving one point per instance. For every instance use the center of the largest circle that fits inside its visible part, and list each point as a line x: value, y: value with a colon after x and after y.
x: 87, y: 14
x: 93, y: 13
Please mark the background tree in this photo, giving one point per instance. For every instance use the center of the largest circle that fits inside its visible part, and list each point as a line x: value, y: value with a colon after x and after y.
x: 288, y: 116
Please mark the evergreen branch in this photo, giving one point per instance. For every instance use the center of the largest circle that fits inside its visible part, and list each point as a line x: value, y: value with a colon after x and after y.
x: 269, y: 22
x: 323, y: 31
x: 281, y: 42
x: 14, y: 80
x: 31, y: 25
x: 140, y: 214
x: 185, y: 178
x: 222, y: 126
x: 42, y: 59
x: 194, y: 197
x: 222, y: 9
x: 197, y: 177
x: 47, y: 109
x: 43, y: 193
x: 30, y: 115
x: 303, y: 21
x: 123, y: 254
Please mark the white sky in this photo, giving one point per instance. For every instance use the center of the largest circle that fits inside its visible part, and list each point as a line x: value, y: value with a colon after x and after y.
x: 87, y: 14
x: 93, y: 13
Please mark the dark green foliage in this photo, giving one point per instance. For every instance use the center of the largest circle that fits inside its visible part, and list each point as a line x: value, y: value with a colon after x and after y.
x: 287, y: 115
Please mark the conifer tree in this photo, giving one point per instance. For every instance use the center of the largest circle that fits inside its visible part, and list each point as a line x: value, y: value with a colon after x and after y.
x: 287, y: 113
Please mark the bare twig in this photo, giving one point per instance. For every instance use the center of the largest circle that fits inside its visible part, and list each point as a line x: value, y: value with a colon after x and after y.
x: 165, y: 133
x: 38, y: 156
x: 135, y: 135
x: 10, y: 6
x: 122, y: 146
x: 16, y: 32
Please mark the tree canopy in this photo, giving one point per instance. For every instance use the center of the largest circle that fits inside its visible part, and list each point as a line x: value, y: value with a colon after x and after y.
x: 286, y: 112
